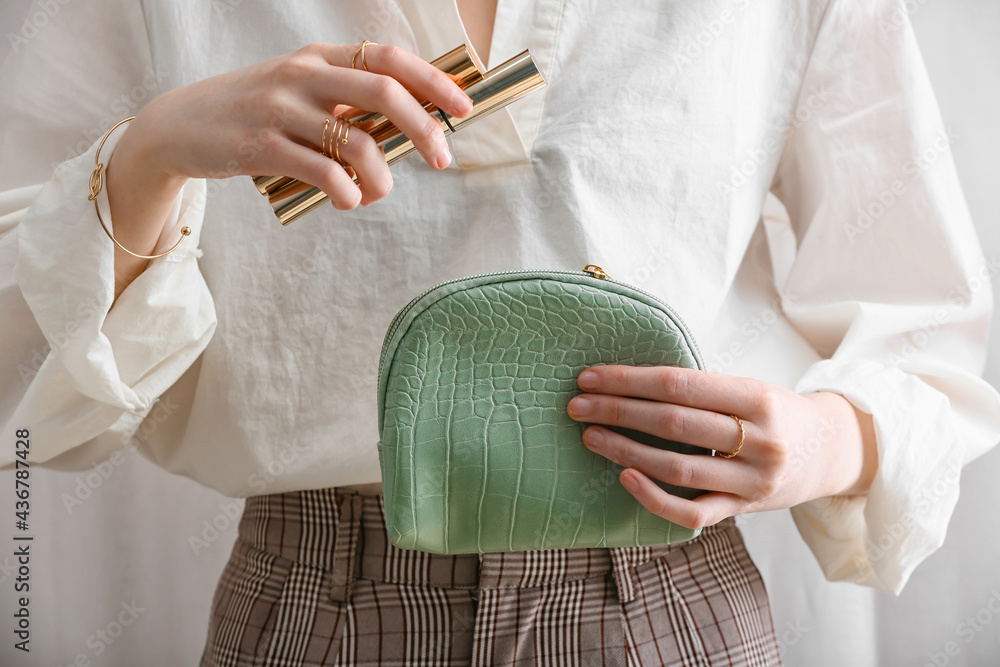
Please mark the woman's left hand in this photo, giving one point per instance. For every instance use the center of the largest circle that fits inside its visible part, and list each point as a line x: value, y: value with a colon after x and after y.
x: 795, y: 447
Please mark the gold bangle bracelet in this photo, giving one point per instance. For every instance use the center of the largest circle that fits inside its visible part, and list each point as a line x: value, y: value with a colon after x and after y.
x: 97, y: 184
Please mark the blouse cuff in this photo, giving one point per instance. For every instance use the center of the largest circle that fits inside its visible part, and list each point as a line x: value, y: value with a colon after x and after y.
x: 105, y: 365
x: 880, y: 538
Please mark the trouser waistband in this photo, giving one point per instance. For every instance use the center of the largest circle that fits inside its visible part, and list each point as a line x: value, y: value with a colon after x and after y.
x: 343, y: 533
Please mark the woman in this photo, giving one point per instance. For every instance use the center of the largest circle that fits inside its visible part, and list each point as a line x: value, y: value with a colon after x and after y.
x: 652, y: 148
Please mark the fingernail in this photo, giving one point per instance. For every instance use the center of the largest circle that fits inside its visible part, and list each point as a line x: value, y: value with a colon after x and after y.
x: 593, y: 438
x: 588, y: 380
x: 462, y: 104
x: 443, y: 159
x: 630, y: 482
x: 580, y: 406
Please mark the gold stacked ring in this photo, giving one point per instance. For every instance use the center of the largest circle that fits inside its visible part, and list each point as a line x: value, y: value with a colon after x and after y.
x: 361, y: 52
x: 343, y: 133
x: 322, y: 143
x: 333, y: 139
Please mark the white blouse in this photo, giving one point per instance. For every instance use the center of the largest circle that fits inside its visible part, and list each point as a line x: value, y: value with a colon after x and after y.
x: 247, y: 359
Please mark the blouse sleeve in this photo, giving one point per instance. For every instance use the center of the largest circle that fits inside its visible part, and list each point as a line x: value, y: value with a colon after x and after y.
x: 890, y: 286
x: 74, y: 369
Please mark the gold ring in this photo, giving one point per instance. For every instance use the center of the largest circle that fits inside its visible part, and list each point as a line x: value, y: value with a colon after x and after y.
x: 739, y: 446
x: 343, y: 127
x: 347, y: 131
x: 361, y: 52
x: 335, y: 139
x: 326, y: 129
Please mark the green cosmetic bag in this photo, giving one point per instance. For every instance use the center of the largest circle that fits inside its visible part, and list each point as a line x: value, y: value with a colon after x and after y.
x: 477, y: 452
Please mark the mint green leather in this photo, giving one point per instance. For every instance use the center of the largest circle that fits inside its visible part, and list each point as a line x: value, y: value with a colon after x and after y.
x: 477, y: 451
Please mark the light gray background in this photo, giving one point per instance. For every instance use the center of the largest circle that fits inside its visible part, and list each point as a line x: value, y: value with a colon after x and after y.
x: 130, y: 540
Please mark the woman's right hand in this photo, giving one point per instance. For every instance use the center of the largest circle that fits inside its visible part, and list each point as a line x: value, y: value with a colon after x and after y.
x: 268, y: 119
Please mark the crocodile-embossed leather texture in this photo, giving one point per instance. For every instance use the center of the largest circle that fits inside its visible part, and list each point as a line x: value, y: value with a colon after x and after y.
x: 477, y: 451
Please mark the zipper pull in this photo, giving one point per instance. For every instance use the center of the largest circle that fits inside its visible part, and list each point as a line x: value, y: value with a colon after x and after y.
x: 597, y: 272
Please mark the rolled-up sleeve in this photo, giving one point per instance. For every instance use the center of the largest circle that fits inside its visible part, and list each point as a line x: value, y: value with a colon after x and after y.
x: 890, y: 286
x: 82, y: 365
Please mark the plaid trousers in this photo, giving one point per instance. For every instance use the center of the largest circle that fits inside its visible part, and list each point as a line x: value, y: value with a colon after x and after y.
x: 313, y: 580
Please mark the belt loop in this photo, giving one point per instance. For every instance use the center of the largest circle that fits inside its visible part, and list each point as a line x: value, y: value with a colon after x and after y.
x: 345, y: 549
x: 624, y: 560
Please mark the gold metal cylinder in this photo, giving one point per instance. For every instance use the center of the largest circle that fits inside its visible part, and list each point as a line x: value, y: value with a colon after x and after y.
x: 265, y: 184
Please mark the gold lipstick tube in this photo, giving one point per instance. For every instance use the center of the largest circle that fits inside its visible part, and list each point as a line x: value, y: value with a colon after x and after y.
x: 502, y: 85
